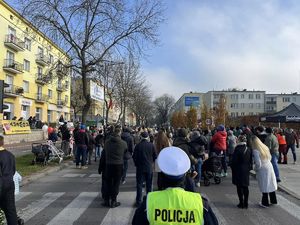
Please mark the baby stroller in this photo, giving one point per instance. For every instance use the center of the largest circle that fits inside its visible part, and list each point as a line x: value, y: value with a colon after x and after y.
x: 41, y: 153
x: 212, y: 168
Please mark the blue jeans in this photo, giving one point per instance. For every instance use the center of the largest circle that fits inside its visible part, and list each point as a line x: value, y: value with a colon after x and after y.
x: 198, y: 168
x: 81, y: 154
x: 98, y: 150
x: 274, y: 161
x: 293, y: 151
x: 140, y: 178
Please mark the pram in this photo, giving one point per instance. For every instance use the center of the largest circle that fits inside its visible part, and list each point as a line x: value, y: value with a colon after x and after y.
x: 46, y: 152
x: 212, y: 168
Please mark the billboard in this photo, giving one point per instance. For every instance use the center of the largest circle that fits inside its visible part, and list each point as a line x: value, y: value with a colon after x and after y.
x: 192, y: 101
x: 96, y: 92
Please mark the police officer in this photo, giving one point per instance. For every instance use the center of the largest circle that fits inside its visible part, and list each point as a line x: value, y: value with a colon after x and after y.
x: 174, y: 205
x: 7, y: 186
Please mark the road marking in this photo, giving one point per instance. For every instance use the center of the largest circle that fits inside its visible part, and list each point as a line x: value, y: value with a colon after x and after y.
x: 254, y: 214
x: 220, y: 217
x: 94, y: 175
x: 74, y: 210
x: 21, y: 195
x: 123, y: 214
x: 289, y: 206
x: 37, y: 206
x: 72, y: 175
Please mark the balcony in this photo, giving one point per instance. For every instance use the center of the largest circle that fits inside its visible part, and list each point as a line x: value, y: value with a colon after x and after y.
x: 41, y: 98
x: 42, y: 59
x: 12, y: 66
x: 13, y: 42
x: 13, y: 91
x: 62, y: 70
x: 41, y: 78
x: 60, y: 103
x: 60, y: 87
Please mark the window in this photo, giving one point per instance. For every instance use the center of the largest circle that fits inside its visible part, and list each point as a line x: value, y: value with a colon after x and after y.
x: 10, y: 81
x: 294, y: 99
x: 12, y: 31
x: 58, y: 96
x: 40, y: 70
x: 49, y: 116
x: 242, y: 105
x: 242, y: 96
x: 242, y: 114
x: 251, y: 113
x: 10, y: 55
x: 25, y: 86
x: 232, y: 114
x: 286, y: 99
x: 39, y: 90
x: 50, y: 58
x: 27, y: 44
x: 50, y: 94
x: 66, y: 98
x: 38, y: 114
x: 40, y: 51
x: 26, y: 65
x: 257, y: 96
x: 250, y: 105
x: 250, y: 96
x: 258, y: 105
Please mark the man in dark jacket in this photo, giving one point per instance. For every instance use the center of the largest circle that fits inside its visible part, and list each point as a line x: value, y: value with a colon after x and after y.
x: 115, y: 149
x: 90, y: 146
x: 126, y: 136
x: 65, y: 138
x: 7, y: 186
x: 291, y: 139
x: 143, y: 156
x: 81, y: 141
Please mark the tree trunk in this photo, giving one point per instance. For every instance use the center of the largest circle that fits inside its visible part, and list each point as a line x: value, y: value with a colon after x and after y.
x: 86, y: 94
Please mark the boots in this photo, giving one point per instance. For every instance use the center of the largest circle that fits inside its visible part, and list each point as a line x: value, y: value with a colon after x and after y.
x: 114, y: 204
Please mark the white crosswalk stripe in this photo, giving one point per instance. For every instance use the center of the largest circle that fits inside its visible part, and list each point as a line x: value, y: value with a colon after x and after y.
x: 37, y: 206
x: 73, y: 175
x: 285, y: 204
x: 123, y: 214
x: 75, y: 209
x: 254, y: 214
x: 220, y: 217
x: 22, y: 195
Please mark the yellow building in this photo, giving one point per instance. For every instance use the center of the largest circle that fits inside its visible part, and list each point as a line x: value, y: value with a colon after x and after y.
x: 35, y: 69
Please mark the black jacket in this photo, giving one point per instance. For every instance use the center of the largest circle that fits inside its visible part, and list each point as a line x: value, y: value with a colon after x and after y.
x: 115, y: 149
x: 81, y: 138
x: 182, y: 143
x: 144, y: 155
x: 140, y: 215
x: 91, y: 142
x: 126, y: 136
x: 65, y: 133
x: 7, y: 169
x: 241, y: 165
x: 198, y: 147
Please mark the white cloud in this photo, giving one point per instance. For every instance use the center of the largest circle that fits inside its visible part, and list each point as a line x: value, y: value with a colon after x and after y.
x: 247, y: 44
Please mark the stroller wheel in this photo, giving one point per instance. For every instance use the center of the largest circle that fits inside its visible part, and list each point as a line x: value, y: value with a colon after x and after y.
x: 206, y: 182
x: 217, y: 180
x: 33, y: 162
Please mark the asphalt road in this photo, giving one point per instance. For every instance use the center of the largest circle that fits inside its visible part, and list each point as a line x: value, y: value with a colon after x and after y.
x: 71, y: 196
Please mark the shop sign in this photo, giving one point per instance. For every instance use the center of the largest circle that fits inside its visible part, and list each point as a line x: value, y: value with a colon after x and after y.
x: 25, y: 102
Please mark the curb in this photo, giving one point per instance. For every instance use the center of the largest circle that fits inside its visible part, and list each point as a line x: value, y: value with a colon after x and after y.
x: 28, y: 179
x: 280, y: 187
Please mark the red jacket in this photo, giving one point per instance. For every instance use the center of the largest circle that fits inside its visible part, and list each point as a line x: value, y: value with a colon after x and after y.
x: 219, y: 141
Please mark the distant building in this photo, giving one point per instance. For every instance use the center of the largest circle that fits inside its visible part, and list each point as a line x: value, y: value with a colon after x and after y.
x: 277, y: 102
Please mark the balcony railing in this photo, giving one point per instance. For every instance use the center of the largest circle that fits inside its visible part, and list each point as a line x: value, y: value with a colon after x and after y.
x: 41, y: 78
x: 13, y: 66
x: 60, y: 102
x: 13, y: 90
x: 14, y: 42
x: 41, y: 98
x: 62, y: 70
x: 42, y: 59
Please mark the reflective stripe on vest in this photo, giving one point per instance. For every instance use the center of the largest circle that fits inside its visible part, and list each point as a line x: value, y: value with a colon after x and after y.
x: 174, y: 206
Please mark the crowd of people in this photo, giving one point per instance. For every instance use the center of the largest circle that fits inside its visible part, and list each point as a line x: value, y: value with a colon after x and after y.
x: 177, y: 157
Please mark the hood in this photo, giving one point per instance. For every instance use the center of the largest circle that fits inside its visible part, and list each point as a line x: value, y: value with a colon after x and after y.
x: 114, y: 138
x: 222, y: 133
x: 125, y: 135
x: 179, y: 141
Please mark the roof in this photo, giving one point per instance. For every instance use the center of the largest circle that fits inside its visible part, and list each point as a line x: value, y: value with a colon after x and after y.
x: 289, y: 114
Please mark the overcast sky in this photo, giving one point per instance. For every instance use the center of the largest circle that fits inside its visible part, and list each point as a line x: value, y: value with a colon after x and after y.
x: 221, y: 44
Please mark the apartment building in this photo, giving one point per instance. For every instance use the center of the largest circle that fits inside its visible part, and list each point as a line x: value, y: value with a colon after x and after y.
x: 35, y: 69
x: 277, y: 102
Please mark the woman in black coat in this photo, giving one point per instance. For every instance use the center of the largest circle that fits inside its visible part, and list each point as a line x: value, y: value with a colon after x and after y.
x: 241, y: 166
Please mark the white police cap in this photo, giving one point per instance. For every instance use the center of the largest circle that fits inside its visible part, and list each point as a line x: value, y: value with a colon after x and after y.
x: 173, y: 161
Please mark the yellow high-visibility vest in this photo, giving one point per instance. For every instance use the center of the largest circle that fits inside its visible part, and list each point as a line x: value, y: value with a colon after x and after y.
x: 174, y: 206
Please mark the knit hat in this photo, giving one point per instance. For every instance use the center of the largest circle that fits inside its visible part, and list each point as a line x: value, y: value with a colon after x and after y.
x: 82, y: 127
x: 195, y: 135
x: 144, y: 135
x: 242, y: 138
x: 182, y: 132
x: 221, y: 127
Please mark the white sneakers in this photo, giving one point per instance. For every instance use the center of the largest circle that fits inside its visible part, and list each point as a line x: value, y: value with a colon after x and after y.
x: 198, y: 184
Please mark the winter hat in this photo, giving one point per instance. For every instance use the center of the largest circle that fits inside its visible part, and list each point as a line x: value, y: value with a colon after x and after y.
x: 82, y: 127
x: 182, y: 132
x: 221, y: 127
x: 144, y: 135
x: 195, y: 135
x: 230, y: 132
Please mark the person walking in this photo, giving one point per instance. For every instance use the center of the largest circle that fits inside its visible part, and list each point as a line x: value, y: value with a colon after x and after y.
x: 272, y: 143
x: 99, y: 139
x: 264, y: 172
x: 231, y: 144
x: 7, y: 186
x: 81, y: 141
x: 65, y: 139
x: 126, y: 136
x: 144, y: 156
x: 241, y: 164
x: 183, y: 207
x: 115, y: 149
x: 161, y: 142
x: 90, y: 147
x: 218, y: 143
x: 282, y: 147
x: 291, y: 140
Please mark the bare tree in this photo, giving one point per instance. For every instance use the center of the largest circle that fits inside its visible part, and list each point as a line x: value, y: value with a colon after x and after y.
x: 162, y: 106
x: 90, y: 30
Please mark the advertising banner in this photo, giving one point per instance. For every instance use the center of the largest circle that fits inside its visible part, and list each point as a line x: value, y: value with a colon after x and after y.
x: 96, y: 92
x: 16, y: 127
x: 192, y: 101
